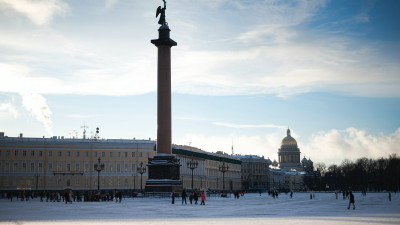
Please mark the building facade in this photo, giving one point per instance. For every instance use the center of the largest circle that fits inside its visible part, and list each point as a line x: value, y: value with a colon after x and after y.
x: 208, y: 174
x: 255, y: 172
x: 58, y: 163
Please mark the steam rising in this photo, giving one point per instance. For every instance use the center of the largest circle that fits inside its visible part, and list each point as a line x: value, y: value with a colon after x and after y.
x: 36, y: 104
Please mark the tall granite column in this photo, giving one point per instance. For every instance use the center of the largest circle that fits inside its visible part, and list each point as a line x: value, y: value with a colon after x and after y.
x: 164, y: 167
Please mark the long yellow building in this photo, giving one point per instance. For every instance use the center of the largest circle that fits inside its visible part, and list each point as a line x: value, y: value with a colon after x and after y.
x: 62, y: 163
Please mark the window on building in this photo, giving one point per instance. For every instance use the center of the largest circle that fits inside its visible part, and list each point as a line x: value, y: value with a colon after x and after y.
x: 68, y: 167
x: 24, y: 166
x: 50, y: 165
x: 133, y: 154
x: 59, y: 153
x: 118, y: 167
x: 50, y: 153
x: 68, y: 182
x: 7, y: 167
x: 111, y: 154
x: 103, y: 154
x: 77, y: 181
x: 111, y: 167
x: 140, y: 154
x: 32, y: 153
x: 40, y: 153
x: 126, y: 167
x: 40, y: 167
x: 86, y: 167
x: 78, y: 154
x: 119, y: 154
x: 8, y: 153
x: 77, y: 167
x: 69, y: 154
x: 126, y: 154
x: 133, y: 167
x: 87, y: 154
x: 23, y: 153
x: 148, y: 154
x: 95, y: 154
x: 32, y: 167
x: 59, y: 166
x: 16, y: 153
x: 15, y: 169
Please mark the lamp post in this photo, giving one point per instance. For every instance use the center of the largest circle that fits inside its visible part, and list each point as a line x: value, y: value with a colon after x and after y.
x: 141, y: 170
x: 37, y: 180
x: 98, y: 167
x: 192, y: 165
x: 223, y: 168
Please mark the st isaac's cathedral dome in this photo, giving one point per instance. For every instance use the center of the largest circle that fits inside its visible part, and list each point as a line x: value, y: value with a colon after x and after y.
x: 289, y: 153
x: 288, y: 142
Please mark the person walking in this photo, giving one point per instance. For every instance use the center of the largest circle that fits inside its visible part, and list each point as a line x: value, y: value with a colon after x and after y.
x: 184, y: 196
x: 351, y: 201
x: 203, y: 198
x: 390, y: 197
x: 195, y: 197
x: 191, y: 198
x: 173, y: 197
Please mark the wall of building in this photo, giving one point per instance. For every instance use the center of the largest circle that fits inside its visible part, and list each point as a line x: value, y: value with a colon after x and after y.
x: 56, y: 164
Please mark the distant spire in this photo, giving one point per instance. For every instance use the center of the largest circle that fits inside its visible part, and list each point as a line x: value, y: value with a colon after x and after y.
x: 288, y: 132
x: 232, y: 147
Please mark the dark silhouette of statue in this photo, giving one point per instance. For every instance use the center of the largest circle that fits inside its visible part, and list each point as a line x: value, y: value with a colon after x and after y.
x: 161, y: 11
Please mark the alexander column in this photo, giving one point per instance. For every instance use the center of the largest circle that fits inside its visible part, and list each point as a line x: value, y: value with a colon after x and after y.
x: 163, y: 168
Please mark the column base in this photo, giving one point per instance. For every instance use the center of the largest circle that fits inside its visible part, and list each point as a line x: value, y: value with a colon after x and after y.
x: 163, y: 174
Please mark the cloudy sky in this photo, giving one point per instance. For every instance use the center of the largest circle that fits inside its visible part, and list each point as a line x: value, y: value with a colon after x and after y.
x: 242, y: 73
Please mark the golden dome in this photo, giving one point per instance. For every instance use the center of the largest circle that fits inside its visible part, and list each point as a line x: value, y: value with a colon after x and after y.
x: 288, y: 140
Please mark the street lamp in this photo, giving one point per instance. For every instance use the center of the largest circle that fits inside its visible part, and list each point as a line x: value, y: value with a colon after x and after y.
x: 192, y: 165
x: 37, y: 180
x: 98, y: 167
x: 141, y: 170
x: 223, y: 168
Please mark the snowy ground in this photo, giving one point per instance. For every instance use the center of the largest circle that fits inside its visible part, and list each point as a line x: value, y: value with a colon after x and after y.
x: 374, y: 208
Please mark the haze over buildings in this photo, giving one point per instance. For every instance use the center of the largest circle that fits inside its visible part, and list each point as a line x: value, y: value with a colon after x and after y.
x: 242, y: 72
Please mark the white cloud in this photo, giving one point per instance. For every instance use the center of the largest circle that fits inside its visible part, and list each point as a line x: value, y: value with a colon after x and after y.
x: 39, y: 12
x: 7, y: 109
x: 248, y: 125
x: 109, y: 4
x: 37, y: 105
x: 333, y: 146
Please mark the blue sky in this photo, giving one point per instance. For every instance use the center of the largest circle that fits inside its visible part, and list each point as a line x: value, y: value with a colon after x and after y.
x: 243, y: 71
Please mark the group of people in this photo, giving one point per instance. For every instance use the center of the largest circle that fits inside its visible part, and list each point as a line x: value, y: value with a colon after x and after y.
x: 67, y: 196
x: 192, y: 197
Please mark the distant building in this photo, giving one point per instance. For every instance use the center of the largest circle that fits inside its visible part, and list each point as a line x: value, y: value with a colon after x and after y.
x: 208, y: 174
x: 289, y: 154
x: 290, y: 173
x: 255, y: 172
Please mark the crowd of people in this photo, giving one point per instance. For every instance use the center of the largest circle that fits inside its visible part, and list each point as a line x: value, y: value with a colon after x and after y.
x: 67, y: 196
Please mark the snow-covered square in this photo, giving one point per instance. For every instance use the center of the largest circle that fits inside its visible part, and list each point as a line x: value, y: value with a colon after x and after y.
x: 374, y: 208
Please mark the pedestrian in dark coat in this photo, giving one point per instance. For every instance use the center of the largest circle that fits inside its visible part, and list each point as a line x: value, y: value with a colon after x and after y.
x: 351, y: 201
x: 173, y: 197
x: 184, y: 196
x: 195, y: 197
x: 191, y: 198
x: 390, y: 197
